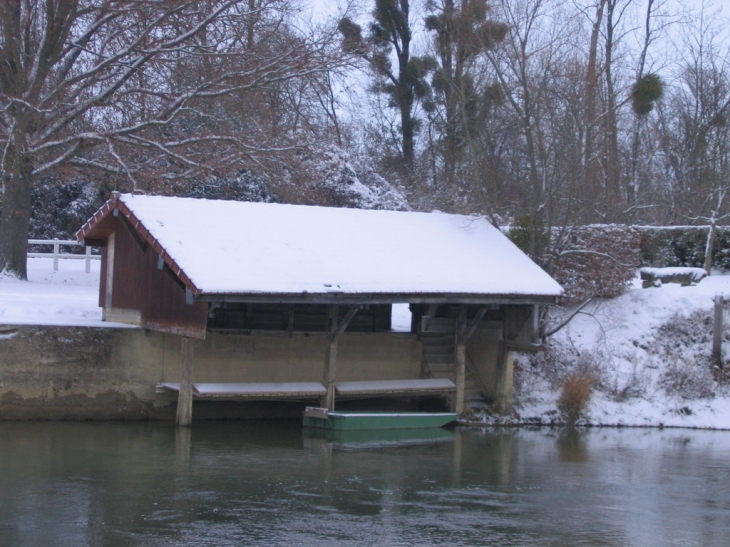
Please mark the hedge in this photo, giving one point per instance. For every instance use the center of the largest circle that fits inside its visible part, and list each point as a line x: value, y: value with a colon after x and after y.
x: 601, y: 260
x: 597, y: 260
x: 664, y: 246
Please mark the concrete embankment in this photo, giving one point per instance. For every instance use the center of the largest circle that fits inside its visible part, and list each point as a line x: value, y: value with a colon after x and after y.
x: 80, y: 373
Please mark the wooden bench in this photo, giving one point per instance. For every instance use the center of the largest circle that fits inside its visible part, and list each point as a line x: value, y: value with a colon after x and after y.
x: 420, y: 387
x: 258, y: 390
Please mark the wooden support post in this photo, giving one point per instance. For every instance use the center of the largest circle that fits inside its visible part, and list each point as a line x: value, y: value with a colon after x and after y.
x: 459, y: 360
x: 330, y: 359
x: 185, y: 396
x: 330, y: 375
x: 717, y: 330
x: 334, y: 329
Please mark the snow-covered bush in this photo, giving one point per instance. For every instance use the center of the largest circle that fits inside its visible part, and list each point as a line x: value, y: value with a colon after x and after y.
x: 243, y: 186
x: 630, y: 386
x: 683, y: 332
x: 683, y: 344
x: 558, y: 362
x: 329, y: 175
x: 61, y: 206
x: 325, y: 176
x: 687, y: 379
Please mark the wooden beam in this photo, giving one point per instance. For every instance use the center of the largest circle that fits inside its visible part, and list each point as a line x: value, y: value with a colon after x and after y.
x: 475, y: 322
x: 185, y: 395
x: 346, y: 320
x: 525, y: 348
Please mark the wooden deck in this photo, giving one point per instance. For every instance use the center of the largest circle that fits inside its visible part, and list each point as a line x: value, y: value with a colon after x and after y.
x: 429, y: 386
x: 265, y: 390
x: 304, y: 390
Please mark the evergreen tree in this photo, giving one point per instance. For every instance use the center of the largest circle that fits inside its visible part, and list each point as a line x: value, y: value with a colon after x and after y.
x: 391, y: 32
x: 462, y: 31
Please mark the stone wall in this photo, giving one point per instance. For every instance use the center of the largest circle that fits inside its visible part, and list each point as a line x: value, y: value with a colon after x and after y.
x: 106, y: 373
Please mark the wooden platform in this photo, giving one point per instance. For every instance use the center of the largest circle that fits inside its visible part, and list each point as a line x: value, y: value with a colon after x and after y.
x: 429, y: 386
x: 267, y: 390
x: 263, y: 390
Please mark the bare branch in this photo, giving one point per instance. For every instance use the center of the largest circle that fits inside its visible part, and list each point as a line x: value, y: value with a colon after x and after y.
x: 569, y: 317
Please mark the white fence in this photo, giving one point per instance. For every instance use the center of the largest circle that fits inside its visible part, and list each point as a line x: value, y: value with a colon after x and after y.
x: 57, y: 254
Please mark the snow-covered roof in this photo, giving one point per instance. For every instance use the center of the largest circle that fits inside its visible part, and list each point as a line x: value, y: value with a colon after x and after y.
x: 244, y: 248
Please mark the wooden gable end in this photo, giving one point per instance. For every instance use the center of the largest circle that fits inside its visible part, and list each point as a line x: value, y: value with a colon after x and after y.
x: 136, y: 286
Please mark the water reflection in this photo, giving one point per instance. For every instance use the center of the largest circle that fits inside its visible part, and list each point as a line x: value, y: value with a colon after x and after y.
x: 268, y: 484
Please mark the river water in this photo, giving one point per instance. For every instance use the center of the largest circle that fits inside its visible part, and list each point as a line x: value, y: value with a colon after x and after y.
x: 267, y: 483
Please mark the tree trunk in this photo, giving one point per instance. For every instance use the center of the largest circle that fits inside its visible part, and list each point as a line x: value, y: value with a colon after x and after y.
x: 408, y: 133
x: 590, y: 166
x: 613, y: 168
x: 15, y: 220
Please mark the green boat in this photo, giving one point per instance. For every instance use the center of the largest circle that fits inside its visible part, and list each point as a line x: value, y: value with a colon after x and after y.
x: 321, y: 418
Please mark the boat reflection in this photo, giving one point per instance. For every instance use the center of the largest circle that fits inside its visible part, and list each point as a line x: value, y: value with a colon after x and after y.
x: 314, y: 437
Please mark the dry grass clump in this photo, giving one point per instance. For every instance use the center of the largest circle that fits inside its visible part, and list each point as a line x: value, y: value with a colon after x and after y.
x: 573, y: 400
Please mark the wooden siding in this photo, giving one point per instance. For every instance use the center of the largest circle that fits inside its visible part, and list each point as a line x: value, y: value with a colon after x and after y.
x: 296, y: 317
x: 157, y: 294
x: 102, y: 277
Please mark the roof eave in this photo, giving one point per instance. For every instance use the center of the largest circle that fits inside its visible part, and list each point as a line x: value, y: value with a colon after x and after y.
x: 378, y: 298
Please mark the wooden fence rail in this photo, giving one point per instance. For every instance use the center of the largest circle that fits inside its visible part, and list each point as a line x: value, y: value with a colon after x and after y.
x: 57, y: 254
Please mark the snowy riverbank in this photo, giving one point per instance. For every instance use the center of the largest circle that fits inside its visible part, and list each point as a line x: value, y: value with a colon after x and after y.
x: 649, y: 352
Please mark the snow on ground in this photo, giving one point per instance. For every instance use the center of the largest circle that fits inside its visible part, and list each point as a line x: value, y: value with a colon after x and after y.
x: 67, y: 297
x: 649, y: 350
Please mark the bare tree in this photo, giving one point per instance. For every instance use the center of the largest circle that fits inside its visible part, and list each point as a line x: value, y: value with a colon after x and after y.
x: 643, y: 103
x: 536, y: 69
x: 696, y: 131
x: 127, y: 86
